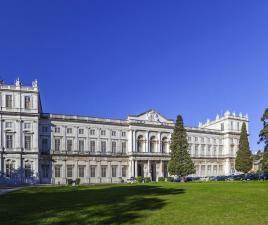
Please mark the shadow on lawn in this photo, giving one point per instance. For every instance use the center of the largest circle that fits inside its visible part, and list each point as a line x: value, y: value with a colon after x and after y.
x: 105, y: 205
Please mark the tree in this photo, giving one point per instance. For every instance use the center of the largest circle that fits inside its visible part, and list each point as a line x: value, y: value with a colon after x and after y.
x: 264, y: 138
x: 243, y: 161
x: 180, y: 163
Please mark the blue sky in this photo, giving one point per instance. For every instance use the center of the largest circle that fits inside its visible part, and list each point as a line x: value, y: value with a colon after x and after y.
x: 114, y: 58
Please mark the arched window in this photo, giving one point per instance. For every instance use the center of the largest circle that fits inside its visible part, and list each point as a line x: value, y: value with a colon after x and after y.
x: 28, y: 170
x: 164, y: 145
x: 140, y: 143
x: 153, y: 143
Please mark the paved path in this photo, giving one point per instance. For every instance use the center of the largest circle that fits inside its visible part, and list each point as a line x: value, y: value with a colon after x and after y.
x: 7, y: 190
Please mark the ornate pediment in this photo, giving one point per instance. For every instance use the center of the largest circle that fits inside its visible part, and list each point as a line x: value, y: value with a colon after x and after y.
x: 150, y: 116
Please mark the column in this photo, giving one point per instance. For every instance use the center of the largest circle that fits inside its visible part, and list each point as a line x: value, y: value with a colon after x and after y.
x: 161, y: 169
x: 159, y: 143
x: 148, y: 169
x: 87, y: 171
x: 148, y: 142
x: 99, y: 171
x: 109, y: 171
x: 120, y: 169
x: 136, y: 168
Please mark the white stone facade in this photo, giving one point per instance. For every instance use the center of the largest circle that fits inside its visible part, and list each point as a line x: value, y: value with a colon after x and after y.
x: 50, y: 148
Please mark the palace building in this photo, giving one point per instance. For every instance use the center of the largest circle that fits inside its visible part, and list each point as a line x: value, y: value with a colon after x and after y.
x: 51, y: 148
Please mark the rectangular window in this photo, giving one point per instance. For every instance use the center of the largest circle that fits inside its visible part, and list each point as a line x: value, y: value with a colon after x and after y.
x: 44, y: 144
x: 81, y: 145
x: 220, y: 169
x: 215, y: 150
x: 92, y: 132
x: 81, y: 171
x: 103, y: 132
x: 27, y: 142
x: 103, y: 146
x: 209, y: 169
x: 124, y: 171
x: 8, y: 124
x: 27, y: 102
x: 69, y: 130
x: 202, y: 150
x: 92, y: 171
x: 196, y: 149
x: 57, y: 129
x: 222, y: 126
x: 92, y: 146
x: 189, y: 138
x: 45, y: 129
x: 123, y: 134
x: 81, y: 131
x: 8, y: 101
x: 124, y: 147
x: 57, y: 171
x: 45, y: 171
x: 202, y: 139
x: 69, y: 171
x: 113, y: 147
x: 69, y: 145
x: 57, y: 144
x: 196, y: 138
x: 209, y: 149
x: 113, y: 133
x: 27, y: 126
x: 9, y: 141
x: 114, y: 170
x: 215, y: 170
x: 103, y: 171
x: 220, y: 151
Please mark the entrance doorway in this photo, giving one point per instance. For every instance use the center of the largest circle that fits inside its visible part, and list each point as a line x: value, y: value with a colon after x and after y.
x: 140, y: 170
x: 153, y: 172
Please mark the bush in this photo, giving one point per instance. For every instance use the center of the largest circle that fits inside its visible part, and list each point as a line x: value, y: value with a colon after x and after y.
x: 69, y: 181
x: 170, y: 179
x: 139, y: 179
x: 77, y: 181
x: 147, y: 179
x: 161, y: 179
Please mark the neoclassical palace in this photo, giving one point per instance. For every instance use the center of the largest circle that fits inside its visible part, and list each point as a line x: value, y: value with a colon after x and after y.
x: 51, y: 148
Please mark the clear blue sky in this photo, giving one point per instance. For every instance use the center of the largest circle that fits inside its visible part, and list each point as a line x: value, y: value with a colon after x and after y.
x: 114, y: 58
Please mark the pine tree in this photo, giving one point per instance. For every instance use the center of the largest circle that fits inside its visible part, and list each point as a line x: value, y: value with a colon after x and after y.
x: 180, y: 163
x: 243, y: 161
x: 264, y: 138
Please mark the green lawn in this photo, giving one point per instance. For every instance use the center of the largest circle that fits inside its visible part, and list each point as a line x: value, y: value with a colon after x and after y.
x: 165, y: 203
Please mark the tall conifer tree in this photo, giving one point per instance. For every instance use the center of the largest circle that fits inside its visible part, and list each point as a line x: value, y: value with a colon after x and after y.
x: 180, y: 163
x: 243, y: 161
x: 264, y: 138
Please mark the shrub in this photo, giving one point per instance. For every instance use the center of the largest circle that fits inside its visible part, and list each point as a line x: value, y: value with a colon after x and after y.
x: 77, y: 181
x: 161, y: 179
x: 147, y: 179
x: 139, y: 179
x: 69, y: 181
x: 170, y: 179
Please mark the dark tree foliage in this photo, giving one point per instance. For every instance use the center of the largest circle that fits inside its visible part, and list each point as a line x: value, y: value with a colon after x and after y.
x: 264, y: 138
x: 180, y: 163
x: 243, y: 161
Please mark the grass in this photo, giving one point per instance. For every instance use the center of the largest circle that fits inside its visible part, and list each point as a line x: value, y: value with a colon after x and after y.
x: 163, y: 203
